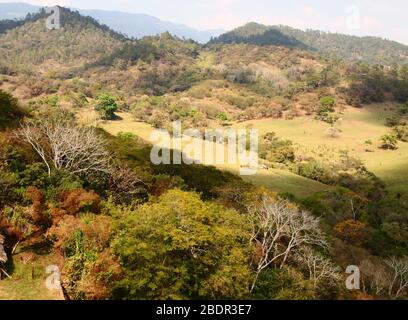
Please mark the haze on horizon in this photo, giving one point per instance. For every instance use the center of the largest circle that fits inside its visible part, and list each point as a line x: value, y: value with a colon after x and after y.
x: 386, y: 19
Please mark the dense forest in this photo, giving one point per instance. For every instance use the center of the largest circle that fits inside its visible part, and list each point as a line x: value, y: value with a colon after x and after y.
x: 79, y: 193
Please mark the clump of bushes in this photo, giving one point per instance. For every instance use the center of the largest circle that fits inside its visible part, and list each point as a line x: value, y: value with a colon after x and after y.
x: 273, y: 149
x: 389, y: 141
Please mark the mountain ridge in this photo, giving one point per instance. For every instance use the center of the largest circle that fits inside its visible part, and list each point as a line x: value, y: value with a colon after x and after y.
x: 374, y: 50
x: 135, y: 25
x: 368, y: 49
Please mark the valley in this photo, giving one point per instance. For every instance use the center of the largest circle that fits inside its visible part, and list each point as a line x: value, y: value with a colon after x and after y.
x: 79, y: 190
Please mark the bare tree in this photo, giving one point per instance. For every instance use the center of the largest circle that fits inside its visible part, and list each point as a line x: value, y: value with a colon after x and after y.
x: 126, y: 184
x: 376, y: 277
x: 318, y: 266
x: 399, y: 279
x: 279, y: 229
x: 62, y: 145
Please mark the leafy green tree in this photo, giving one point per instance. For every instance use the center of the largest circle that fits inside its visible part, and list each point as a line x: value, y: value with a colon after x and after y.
x: 106, y: 106
x: 326, y: 108
x: 180, y: 247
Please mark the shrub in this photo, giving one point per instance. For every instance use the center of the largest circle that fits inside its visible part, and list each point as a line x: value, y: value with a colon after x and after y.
x: 401, y: 132
x: 38, y: 204
x: 126, y: 136
x: 90, y: 266
x: 393, y: 121
x: 75, y: 201
x: 315, y: 170
x: 403, y: 109
x: 389, y: 141
x: 275, y: 150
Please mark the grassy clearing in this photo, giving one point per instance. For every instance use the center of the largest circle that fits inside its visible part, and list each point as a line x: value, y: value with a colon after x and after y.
x: 28, y: 280
x: 277, y: 180
x: 358, y: 126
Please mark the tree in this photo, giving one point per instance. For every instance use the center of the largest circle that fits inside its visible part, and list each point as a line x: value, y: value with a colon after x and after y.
x: 389, y: 141
x: 352, y: 231
x: 180, y: 247
x: 399, y: 282
x: 106, y: 106
x: 279, y: 230
x: 62, y: 145
x: 318, y: 267
x: 126, y: 186
x: 376, y: 276
x: 327, y: 104
x: 326, y: 108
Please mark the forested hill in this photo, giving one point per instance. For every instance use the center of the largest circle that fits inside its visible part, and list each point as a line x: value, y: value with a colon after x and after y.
x: 29, y: 45
x: 253, y: 33
x: 371, y: 50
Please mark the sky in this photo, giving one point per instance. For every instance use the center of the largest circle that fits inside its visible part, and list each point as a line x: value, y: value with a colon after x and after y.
x: 383, y: 18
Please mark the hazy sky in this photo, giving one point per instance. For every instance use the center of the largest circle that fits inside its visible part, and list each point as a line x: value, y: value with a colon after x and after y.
x: 384, y: 18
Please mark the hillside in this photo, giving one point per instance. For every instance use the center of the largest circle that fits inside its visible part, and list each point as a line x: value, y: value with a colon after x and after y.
x: 253, y: 33
x: 366, y: 49
x: 79, y: 189
x: 30, y: 47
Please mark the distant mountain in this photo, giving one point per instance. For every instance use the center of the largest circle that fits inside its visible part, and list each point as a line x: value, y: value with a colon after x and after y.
x: 140, y: 25
x: 366, y: 49
x: 16, y: 10
x: 133, y: 25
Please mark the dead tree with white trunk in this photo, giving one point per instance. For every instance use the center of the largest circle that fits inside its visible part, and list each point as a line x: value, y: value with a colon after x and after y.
x: 278, y: 231
x: 62, y: 145
x: 399, y: 278
x: 317, y: 266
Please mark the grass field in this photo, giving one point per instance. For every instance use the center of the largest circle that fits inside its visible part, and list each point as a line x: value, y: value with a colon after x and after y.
x: 277, y: 180
x: 28, y: 280
x: 358, y: 126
